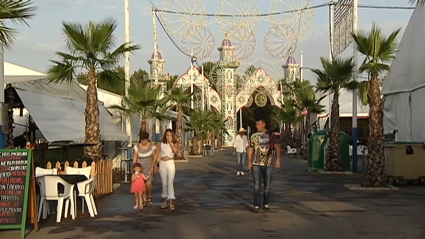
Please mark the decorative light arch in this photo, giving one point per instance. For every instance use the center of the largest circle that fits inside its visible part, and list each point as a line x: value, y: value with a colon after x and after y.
x: 257, y: 80
x: 198, y: 80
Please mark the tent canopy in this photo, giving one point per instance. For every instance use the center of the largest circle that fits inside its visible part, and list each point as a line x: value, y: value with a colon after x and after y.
x: 407, y: 69
x: 16, y: 73
x: 58, y: 110
x: 404, y: 86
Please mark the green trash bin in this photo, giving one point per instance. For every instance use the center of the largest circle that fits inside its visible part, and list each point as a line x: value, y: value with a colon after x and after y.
x: 318, y: 146
x: 316, y: 141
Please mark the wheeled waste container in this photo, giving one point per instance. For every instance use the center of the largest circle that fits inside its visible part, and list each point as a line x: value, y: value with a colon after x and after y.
x: 317, y: 150
x: 405, y: 161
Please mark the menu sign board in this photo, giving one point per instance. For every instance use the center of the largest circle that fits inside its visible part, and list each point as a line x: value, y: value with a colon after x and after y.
x: 15, y: 166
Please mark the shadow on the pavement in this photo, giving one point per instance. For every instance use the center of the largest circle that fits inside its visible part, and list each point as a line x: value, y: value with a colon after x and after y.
x: 210, y: 184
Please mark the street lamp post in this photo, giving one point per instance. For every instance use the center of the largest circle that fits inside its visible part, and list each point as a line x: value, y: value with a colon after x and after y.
x: 354, y: 123
x: 192, y: 62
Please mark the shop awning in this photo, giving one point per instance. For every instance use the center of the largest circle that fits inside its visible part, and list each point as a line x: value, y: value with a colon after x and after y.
x: 58, y: 111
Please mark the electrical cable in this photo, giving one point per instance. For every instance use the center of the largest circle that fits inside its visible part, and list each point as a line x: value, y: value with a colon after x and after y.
x: 278, y: 13
x: 243, y: 15
x: 253, y: 15
x: 386, y: 7
x: 169, y: 36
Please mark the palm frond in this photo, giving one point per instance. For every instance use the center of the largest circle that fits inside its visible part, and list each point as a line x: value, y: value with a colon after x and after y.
x: 75, y: 38
x: 101, y: 34
x: 90, y: 48
x: 363, y: 92
x: 7, y: 35
x: 336, y: 74
x: 61, y: 72
x: 417, y: 2
x: 17, y: 12
x: 111, y: 78
x: 119, y: 53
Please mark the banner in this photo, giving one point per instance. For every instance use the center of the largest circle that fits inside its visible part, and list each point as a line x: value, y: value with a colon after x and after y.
x: 343, y: 25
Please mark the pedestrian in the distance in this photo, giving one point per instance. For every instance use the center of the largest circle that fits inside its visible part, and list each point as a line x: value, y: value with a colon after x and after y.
x: 239, y: 149
x: 260, y: 159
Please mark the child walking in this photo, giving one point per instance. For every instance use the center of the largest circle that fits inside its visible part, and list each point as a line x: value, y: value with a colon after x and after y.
x: 138, y: 185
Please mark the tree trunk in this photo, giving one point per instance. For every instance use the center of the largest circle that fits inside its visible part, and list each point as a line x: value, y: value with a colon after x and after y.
x: 333, y: 155
x: 179, y: 134
x: 143, y: 126
x: 376, y: 168
x: 296, y: 143
x: 307, y: 125
x: 92, y: 128
x: 287, y: 136
x: 194, y: 149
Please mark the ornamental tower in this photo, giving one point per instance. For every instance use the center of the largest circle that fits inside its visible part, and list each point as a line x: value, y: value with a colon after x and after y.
x: 228, y: 87
x: 292, y: 69
x: 156, y: 72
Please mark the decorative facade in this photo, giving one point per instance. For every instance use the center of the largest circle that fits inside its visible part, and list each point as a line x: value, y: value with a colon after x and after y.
x: 194, y: 76
x: 264, y: 85
x: 226, y: 99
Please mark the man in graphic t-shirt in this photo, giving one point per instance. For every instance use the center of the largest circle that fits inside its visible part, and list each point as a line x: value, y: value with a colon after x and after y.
x: 261, y: 162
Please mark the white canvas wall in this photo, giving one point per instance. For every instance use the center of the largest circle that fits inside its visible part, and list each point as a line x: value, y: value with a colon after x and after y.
x: 405, y: 112
x: 403, y: 88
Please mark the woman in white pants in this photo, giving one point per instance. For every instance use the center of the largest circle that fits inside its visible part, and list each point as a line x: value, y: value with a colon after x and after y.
x: 167, y: 169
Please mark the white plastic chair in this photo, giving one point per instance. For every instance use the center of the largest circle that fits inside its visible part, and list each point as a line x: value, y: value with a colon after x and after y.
x: 207, y: 149
x: 80, y: 171
x: 291, y: 151
x: 49, y: 192
x: 86, y: 190
x: 44, y: 171
x: 39, y: 172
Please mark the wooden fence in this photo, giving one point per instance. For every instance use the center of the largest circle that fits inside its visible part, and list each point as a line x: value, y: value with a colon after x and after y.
x: 103, y: 168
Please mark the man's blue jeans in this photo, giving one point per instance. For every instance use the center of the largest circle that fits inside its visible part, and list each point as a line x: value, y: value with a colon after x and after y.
x: 241, y: 160
x: 262, y: 173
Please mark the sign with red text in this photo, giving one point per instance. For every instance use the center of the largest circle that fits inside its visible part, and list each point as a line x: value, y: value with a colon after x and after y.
x: 15, y: 166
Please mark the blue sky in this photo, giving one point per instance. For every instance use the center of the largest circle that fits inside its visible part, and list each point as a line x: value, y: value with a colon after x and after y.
x: 36, y: 45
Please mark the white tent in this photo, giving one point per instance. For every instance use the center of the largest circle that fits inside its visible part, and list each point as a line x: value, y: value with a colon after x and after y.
x: 404, y: 86
x: 16, y: 73
x: 58, y: 110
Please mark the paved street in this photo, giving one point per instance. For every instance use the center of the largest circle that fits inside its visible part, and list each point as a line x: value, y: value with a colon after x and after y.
x: 214, y: 203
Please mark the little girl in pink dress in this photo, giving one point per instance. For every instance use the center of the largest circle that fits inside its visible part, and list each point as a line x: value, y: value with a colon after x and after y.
x: 138, y: 185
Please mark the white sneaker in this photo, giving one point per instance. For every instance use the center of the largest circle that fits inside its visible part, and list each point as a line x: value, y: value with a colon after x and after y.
x: 238, y: 173
x: 242, y: 174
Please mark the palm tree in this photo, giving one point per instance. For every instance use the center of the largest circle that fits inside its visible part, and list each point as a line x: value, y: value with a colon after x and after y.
x: 200, y: 123
x: 307, y: 102
x: 219, y: 130
x: 377, y: 50
x: 248, y: 71
x: 181, y: 100
x: 288, y: 115
x: 16, y: 11
x: 142, y: 100
x: 336, y: 75
x: 90, y: 50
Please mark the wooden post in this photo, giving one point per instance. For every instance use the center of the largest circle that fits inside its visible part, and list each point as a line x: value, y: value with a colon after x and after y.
x: 33, y: 199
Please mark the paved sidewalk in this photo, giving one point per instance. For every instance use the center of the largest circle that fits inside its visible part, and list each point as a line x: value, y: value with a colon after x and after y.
x: 213, y: 203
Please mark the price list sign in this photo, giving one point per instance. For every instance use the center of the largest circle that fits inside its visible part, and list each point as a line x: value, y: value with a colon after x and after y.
x: 15, y: 166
